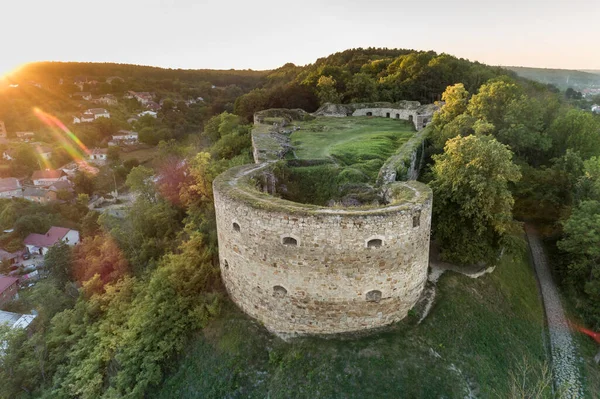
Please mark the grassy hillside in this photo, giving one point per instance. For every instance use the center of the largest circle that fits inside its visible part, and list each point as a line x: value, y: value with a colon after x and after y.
x: 561, y: 78
x: 478, y: 335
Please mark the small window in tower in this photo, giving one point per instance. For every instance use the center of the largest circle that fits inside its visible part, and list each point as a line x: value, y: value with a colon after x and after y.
x: 279, y: 291
x: 375, y: 243
x: 291, y: 241
x: 373, y: 296
x: 397, y: 116
x: 417, y: 219
x: 387, y: 114
x: 236, y: 226
x: 369, y: 114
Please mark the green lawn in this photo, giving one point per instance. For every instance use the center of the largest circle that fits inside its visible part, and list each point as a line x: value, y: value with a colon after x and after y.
x: 325, y: 136
x: 478, y: 334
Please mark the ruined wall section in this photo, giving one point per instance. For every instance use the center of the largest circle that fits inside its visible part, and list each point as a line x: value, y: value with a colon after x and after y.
x: 304, y: 269
x: 412, y: 111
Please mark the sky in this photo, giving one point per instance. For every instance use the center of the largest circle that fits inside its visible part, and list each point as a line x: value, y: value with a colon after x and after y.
x: 265, y: 34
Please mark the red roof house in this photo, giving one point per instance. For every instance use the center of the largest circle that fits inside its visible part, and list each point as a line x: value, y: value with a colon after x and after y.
x: 41, y: 243
x: 8, y: 289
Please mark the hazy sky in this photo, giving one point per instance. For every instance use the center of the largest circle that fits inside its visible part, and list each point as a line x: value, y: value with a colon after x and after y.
x: 265, y: 34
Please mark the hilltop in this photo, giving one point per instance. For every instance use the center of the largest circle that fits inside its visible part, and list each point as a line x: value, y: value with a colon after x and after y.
x: 561, y: 78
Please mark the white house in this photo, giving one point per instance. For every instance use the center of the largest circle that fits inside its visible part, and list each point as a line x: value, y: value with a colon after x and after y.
x: 25, y: 136
x: 151, y: 113
x: 84, y: 118
x: 98, y: 113
x: 124, y: 137
x: 98, y: 154
x: 596, y: 109
x: 45, y: 178
x: 41, y: 243
x: 10, y: 187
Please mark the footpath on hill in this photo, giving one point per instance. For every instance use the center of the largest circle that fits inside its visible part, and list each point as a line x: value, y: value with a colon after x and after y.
x: 567, y: 378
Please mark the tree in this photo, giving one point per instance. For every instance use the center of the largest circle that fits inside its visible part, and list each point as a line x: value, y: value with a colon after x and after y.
x: 58, y: 261
x: 83, y: 183
x: 582, y: 244
x: 362, y: 88
x: 473, y: 204
x: 25, y: 161
x: 100, y: 256
x: 113, y: 154
x: 326, y: 90
x: 578, y: 130
x: 140, y: 181
x: 455, y: 100
x: 572, y: 94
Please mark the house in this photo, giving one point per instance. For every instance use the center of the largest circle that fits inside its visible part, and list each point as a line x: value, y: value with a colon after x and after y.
x: 10, y: 257
x: 45, y: 178
x: 143, y: 97
x: 98, y: 154
x: 25, y: 136
x: 133, y: 119
x: 79, y: 81
x: 107, y: 99
x: 64, y: 186
x: 10, y: 188
x: 9, y: 289
x: 15, y: 320
x: 596, y: 109
x: 2, y: 129
x: 42, y: 150
x: 41, y: 243
x: 9, y: 154
x: 124, y: 137
x: 83, y: 95
x: 98, y: 113
x: 152, y: 106
x: 35, y: 194
x: 84, y: 118
x: 151, y: 113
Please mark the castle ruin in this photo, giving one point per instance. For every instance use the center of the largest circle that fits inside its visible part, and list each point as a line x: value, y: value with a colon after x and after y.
x: 304, y: 269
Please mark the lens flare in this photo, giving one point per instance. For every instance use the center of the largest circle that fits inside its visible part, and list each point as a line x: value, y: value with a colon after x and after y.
x: 69, y: 141
x: 592, y: 334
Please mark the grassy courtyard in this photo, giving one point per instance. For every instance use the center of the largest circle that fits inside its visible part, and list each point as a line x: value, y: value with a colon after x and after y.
x: 481, y: 336
x: 362, y: 143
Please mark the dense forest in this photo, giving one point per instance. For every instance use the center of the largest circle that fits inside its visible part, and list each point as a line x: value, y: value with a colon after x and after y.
x: 118, y: 309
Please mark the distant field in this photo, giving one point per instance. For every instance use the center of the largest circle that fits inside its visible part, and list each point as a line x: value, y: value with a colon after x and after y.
x: 143, y: 155
x: 479, y: 334
x: 363, y: 137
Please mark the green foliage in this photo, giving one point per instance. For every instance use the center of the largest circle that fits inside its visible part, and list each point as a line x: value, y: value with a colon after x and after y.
x: 473, y: 203
x: 83, y: 183
x: 140, y: 181
x: 59, y: 262
x: 577, y: 130
x: 582, y: 242
x: 326, y: 90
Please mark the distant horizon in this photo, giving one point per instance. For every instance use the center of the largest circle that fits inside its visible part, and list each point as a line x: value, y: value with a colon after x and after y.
x: 265, y: 34
x: 271, y: 69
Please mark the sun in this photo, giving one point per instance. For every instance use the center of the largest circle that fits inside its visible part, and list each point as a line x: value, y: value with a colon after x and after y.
x: 7, y: 68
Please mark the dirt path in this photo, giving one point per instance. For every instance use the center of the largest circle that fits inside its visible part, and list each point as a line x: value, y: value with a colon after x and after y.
x: 567, y: 379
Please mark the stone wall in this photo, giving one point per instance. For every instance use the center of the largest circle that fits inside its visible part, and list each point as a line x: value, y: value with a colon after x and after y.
x: 303, y: 269
x: 413, y: 111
